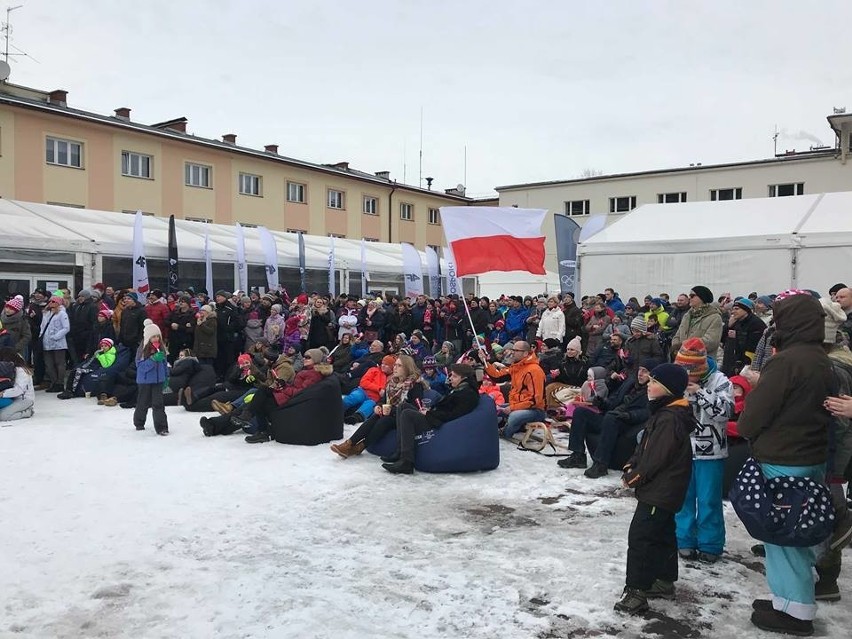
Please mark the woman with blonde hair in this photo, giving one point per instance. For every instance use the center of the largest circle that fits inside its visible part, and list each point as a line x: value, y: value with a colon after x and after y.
x: 405, y: 384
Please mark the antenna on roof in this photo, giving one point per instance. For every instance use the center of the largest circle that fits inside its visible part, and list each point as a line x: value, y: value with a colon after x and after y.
x: 420, y: 172
x: 775, y: 141
x: 6, y: 28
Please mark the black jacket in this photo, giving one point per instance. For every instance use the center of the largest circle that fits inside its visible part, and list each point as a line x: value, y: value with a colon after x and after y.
x: 230, y: 322
x: 183, y: 336
x: 748, y: 332
x: 132, y: 323
x: 458, y: 402
x: 573, y: 322
x: 661, y: 466
x: 629, y: 402
x: 573, y: 371
x: 603, y: 356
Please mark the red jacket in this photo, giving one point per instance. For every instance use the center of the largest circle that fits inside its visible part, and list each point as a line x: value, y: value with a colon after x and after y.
x: 305, y: 378
x: 158, y: 312
x: 373, y: 382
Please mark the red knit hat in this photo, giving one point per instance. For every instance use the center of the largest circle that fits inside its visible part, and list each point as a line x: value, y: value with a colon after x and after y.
x: 16, y: 303
x: 693, y: 357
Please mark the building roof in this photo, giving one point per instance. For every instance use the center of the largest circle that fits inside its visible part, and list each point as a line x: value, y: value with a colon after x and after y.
x: 27, y: 98
x: 818, y: 154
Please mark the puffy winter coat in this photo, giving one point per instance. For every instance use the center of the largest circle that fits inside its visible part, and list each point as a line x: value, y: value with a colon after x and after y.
x: 551, y: 325
x: 18, y: 327
x: 54, y: 328
x: 149, y: 370
x: 373, y: 382
x: 705, y: 323
x: 158, y: 312
x: 527, y: 390
x: 712, y: 404
x: 206, y: 344
x: 305, y: 378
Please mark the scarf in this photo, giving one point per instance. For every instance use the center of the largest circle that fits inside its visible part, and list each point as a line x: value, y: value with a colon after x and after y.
x: 397, y: 389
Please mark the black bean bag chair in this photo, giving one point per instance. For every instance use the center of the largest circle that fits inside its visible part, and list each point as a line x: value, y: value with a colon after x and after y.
x: 624, y: 446
x: 314, y: 416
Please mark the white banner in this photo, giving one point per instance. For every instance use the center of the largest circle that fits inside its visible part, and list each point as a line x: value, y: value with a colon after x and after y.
x: 208, y: 265
x: 453, y: 282
x: 412, y: 270
x: 432, y: 268
x: 332, y: 285
x: 270, y: 252
x: 140, y: 263
x: 365, y: 276
x: 242, y: 267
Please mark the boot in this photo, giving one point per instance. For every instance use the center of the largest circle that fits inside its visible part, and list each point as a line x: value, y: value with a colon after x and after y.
x: 180, y: 397
x: 344, y: 448
x: 827, y: 590
x: 660, y: 590
x: 781, y: 622
x: 243, y: 420
x: 187, y: 396
x: 707, y: 557
x: 632, y: 601
x: 102, y: 398
x: 762, y: 604
x: 596, y: 470
x: 110, y: 401
x: 390, y: 459
x: 206, y: 426
x: 400, y: 467
x: 358, y: 448
x: 258, y: 438
x: 56, y: 388
x: 65, y: 395
x: 690, y: 554
x: 574, y: 460
x: 353, y: 419
x: 842, y: 532
x: 223, y: 408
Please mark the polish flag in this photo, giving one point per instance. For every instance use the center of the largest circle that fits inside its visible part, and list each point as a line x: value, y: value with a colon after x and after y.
x: 490, y: 238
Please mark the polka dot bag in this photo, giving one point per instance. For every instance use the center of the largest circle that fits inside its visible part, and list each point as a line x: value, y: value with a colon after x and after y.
x: 784, y: 511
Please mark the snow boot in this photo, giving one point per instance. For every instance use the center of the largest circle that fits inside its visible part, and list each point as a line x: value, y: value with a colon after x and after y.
x: 762, y: 604
x: 596, y: 470
x: 163, y: 432
x: 102, y: 398
x: 781, y: 622
x: 344, y: 448
x: 65, y: 395
x: 827, y: 590
x: 390, y: 459
x: 842, y: 532
x: 632, y: 601
x: 206, y: 426
x: 258, y: 438
x: 660, y: 590
x: 707, y: 558
x: 687, y: 553
x: 111, y: 401
x: 401, y: 467
x: 574, y: 460
x: 223, y: 408
x: 243, y: 420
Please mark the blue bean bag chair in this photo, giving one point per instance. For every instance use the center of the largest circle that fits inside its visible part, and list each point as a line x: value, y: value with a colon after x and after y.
x: 464, y: 445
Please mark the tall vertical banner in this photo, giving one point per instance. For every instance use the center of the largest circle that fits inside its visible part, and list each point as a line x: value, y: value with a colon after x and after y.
x: 174, y: 274
x: 453, y: 284
x: 140, y: 262
x: 242, y: 266
x: 433, y: 268
x: 365, y: 276
x: 567, y: 235
x: 332, y: 285
x: 208, y: 265
x: 412, y: 270
x: 303, y: 287
x: 270, y: 252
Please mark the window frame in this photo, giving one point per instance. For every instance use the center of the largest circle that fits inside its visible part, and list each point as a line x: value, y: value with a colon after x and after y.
x: 342, y: 199
x: 51, y: 149
x: 613, y: 204
x: 798, y: 188
x: 569, y: 205
x: 207, y: 169
x: 203, y: 220
x: 248, y: 178
x: 127, y: 165
x: 304, y: 192
x: 437, y: 218
x: 675, y: 197
x: 408, y: 206
x: 736, y: 192
x: 370, y: 199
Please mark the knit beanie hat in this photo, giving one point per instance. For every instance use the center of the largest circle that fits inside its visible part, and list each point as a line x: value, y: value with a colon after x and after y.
x: 244, y: 360
x: 575, y: 344
x: 693, y: 357
x: 207, y: 308
x: 106, y: 340
x: 16, y: 303
x: 315, y: 355
x: 150, y: 331
x: 672, y: 377
x: 277, y: 308
x: 834, y: 317
x: 703, y: 293
x: 106, y: 312
x: 638, y: 324
x: 388, y: 360
x: 765, y: 300
x: 496, y: 348
x: 223, y: 293
x: 746, y: 304
x: 429, y: 362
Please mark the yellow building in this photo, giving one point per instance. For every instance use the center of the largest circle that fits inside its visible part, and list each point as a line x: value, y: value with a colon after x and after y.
x: 54, y: 154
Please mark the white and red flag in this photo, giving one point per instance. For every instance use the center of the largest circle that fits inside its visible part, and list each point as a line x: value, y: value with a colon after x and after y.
x: 491, y: 238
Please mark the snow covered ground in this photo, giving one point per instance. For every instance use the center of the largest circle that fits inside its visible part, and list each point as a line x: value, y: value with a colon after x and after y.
x: 109, y: 532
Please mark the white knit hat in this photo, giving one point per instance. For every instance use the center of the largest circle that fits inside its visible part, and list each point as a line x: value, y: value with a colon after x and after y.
x: 150, y: 331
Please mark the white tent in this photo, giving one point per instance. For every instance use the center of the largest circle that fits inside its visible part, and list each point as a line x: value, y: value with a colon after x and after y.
x: 497, y: 283
x: 765, y: 245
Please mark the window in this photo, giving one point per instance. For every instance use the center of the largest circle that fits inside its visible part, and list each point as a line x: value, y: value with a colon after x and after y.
x: 434, y: 247
x: 296, y: 192
x: 671, y: 198
x: 577, y: 207
x: 335, y: 199
x: 371, y: 239
x: 198, y: 175
x: 248, y: 225
x: 64, y: 153
x: 622, y: 204
x: 136, y: 164
x: 205, y: 220
x: 337, y: 235
x: 726, y: 194
x: 434, y: 216
x: 250, y: 184
x: 133, y: 212
x: 296, y: 231
x: 75, y: 206
x: 783, y: 190
x: 371, y: 205
x: 406, y: 211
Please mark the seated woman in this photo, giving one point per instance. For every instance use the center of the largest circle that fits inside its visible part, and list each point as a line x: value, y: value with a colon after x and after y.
x: 447, y: 354
x: 461, y: 400
x: 404, y: 385
x: 341, y: 356
x: 18, y: 401
x: 570, y: 374
x: 418, y: 345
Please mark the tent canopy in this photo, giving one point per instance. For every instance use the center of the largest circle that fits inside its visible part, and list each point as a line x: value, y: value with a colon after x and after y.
x: 738, y: 246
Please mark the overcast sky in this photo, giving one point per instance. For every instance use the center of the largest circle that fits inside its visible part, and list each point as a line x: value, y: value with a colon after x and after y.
x: 534, y: 90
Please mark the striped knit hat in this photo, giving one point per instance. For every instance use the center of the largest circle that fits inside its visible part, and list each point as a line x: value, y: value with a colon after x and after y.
x: 639, y: 324
x: 693, y: 357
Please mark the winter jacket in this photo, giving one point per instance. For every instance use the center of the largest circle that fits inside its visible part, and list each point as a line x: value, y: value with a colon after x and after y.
x: 22, y: 388
x: 373, y: 382
x: 341, y: 359
x: 34, y: 314
x: 573, y: 372
x: 82, y: 318
x: 784, y: 418
x: 131, y: 326
x: 374, y: 322
x: 253, y: 331
x: 437, y: 382
x: 615, y: 304
x: 158, y: 312
x: 641, y: 348
x: 629, y: 403
x: 739, y: 350
x: 305, y: 378
x: 527, y: 387
x: 151, y: 369
x: 347, y: 322
x: 206, y: 344
x: 594, y: 329
x: 713, y: 405
x: 516, y: 321
x: 106, y: 358
x: 103, y: 330
x: 573, y: 321
x: 54, y: 329
x: 458, y: 402
x: 184, y: 335
x: 320, y: 331
x: 841, y: 362
x: 661, y: 467
x: 230, y: 322
x: 551, y: 325
x: 480, y: 318
x: 274, y: 329
x: 18, y: 327
x: 661, y: 315
x: 704, y: 323
x: 603, y: 356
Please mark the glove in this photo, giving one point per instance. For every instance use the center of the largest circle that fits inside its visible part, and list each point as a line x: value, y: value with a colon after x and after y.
x: 250, y: 379
x: 159, y: 356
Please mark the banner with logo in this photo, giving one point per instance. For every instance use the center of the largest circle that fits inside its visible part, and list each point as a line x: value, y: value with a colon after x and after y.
x: 270, y: 253
x: 174, y: 277
x: 412, y: 270
x: 567, y: 234
x: 453, y: 282
x: 140, y: 262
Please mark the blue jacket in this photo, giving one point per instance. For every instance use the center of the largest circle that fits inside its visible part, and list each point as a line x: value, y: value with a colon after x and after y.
x: 149, y: 371
x: 616, y: 304
x: 516, y: 321
x: 54, y: 328
x: 437, y: 383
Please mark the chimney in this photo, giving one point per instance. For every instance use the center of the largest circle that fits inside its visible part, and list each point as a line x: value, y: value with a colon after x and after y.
x: 229, y: 138
x: 271, y: 148
x: 343, y: 166
x: 178, y: 125
x: 122, y: 113
x: 384, y: 175
x: 429, y: 183
x: 58, y: 98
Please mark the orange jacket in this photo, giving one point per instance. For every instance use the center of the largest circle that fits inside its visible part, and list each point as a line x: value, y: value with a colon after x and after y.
x: 373, y: 382
x: 527, y: 389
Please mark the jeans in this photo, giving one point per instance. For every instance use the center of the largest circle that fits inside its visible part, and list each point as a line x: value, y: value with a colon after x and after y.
x: 520, y: 418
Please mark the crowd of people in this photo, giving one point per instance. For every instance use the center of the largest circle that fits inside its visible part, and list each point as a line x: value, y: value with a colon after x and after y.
x: 683, y: 377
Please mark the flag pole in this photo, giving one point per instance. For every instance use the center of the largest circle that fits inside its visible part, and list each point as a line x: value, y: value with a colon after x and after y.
x: 470, y: 319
